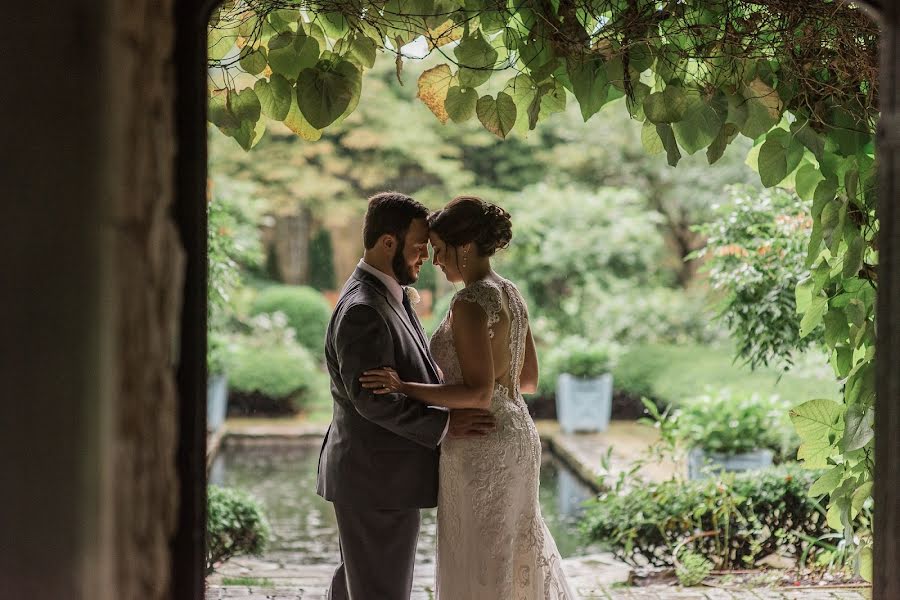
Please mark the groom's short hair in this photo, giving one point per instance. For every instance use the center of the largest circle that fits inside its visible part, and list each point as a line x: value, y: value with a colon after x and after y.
x: 390, y: 213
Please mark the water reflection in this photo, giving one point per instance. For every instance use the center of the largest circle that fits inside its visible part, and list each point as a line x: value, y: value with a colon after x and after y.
x: 283, y: 478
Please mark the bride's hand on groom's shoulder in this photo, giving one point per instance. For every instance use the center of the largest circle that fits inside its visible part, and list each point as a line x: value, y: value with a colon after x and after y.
x: 382, y: 381
x: 470, y: 422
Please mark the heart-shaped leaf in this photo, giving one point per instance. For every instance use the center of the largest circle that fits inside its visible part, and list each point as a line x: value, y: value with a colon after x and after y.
x: 433, y: 87
x: 460, y: 103
x: 324, y: 93
x: 497, y: 115
x: 291, y: 52
x: 275, y: 96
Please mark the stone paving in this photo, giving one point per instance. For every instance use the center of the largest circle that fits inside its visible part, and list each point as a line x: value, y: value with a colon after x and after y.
x: 598, y: 577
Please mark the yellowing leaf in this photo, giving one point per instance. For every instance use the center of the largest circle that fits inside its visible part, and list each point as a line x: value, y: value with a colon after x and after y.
x: 433, y: 86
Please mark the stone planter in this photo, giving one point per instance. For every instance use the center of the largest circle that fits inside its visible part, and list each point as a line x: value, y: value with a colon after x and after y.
x: 702, y: 464
x: 583, y: 404
x: 216, y: 401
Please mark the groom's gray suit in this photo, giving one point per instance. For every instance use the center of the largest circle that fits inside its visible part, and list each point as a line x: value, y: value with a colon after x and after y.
x: 379, y: 460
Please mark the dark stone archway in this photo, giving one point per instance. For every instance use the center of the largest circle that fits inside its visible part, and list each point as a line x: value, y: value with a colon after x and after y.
x: 190, y: 60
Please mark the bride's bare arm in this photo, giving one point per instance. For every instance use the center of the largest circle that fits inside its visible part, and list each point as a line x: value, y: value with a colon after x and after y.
x: 473, y: 348
x: 528, y: 378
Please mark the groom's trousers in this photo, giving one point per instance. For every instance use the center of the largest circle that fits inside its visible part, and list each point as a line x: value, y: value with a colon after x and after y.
x: 378, y: 553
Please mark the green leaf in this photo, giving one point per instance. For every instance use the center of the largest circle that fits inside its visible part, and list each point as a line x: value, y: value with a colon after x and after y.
x: 803, y: 295
x: 363, y: 50
x: 836, y: 328
x: 290, y: 53
x: 665, y: 133
x: 772, y: 163
x: 851, y: 135
x: 460, y: 104
x: 805, y: 134
x: 497, y: 115
x: 859, y: 427
x: 862, y: 493
x: 589, y: 85
x: 813, y: 315
x: 476, y: 59
x: 819, y: 424
x: 254, y: 62
x: 866, y: 563
x: 824, y: 194
x: 634, y: 103
x: 833, y: 516
x: 553, y: 98
x: 737, y: 110
x: 666, y: 106
x: 523, y: 91
x: 764, y: 108
x: 853, y: 257
x: 335, y: 24
x: 650, y: 139
x: 296, y: 122
x: 856, y: 312
x: 827, y: 482
x: 434, y: 85
x: 808, y: 177
x: 698, y: 126
x: 220, y: 42
x: 324, y: 93
x: 275, y: 96
x: 220, y: 113
x: 725, y: 136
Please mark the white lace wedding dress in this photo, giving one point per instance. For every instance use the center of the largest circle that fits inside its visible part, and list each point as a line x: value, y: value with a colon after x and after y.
x: 492, y: 542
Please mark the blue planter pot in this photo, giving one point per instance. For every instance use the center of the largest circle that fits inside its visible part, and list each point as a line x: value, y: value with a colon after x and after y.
x: 216, y: 401
x: 702, y: 464
x: 583, y: 404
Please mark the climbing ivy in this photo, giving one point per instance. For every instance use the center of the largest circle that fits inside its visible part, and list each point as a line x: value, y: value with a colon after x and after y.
x: 796, y: 76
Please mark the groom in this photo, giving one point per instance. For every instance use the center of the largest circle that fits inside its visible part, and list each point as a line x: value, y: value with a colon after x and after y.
x: 379, y: 460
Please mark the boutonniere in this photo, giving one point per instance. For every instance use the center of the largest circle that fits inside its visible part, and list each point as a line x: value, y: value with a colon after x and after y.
x: 413, y: 295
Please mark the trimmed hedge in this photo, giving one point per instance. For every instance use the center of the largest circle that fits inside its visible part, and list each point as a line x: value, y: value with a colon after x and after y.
x: 288, y: 372
x: 307, y: 312
x: 754, y: 514
x: 235, y: 525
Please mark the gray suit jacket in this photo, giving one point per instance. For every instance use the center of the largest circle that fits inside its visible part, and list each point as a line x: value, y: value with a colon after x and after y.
x: 380, y: 450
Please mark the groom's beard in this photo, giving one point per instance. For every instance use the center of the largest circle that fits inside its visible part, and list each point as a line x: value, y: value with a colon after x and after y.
x: 402, y: 271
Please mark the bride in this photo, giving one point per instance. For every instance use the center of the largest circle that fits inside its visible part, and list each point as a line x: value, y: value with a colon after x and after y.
x: 492, y: 542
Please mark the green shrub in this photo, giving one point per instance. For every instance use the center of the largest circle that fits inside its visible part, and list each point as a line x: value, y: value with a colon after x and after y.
x: 307, y: 311
x: 753, y: 514
x: 755, y: 256
x: 731, y: 424
x: 235, y: 525
x: 692, y: 568
x: 269, y: 361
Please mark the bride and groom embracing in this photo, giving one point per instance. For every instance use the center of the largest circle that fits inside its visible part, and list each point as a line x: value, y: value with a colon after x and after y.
x: 419, y: 424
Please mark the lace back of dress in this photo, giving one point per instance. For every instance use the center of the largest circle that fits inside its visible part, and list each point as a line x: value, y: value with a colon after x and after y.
x: 518, y: 331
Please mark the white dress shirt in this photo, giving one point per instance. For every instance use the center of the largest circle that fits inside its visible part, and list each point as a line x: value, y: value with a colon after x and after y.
x: 396, y: 291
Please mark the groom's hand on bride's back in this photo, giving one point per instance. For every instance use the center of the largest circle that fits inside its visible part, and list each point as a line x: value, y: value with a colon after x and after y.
x: 470, y: 422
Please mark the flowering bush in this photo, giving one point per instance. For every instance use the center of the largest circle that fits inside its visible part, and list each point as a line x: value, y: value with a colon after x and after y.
x: 755, y: 256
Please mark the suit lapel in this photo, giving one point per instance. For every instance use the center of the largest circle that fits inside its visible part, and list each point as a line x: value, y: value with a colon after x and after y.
x: 414, y: 330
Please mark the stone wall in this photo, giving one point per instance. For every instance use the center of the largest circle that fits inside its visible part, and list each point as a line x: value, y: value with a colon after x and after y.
x: 148, y: 275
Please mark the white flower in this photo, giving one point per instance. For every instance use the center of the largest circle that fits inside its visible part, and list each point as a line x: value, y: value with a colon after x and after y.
x: 413, y: 295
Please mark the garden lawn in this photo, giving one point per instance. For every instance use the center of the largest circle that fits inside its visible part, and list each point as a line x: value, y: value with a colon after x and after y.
x: 670, y: 373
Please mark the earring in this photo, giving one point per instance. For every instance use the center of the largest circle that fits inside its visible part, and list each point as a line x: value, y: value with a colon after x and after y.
x: 465, y: 257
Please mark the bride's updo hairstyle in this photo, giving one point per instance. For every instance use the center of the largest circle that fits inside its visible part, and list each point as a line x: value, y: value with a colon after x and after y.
x: 469, y: 219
